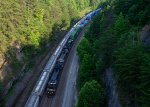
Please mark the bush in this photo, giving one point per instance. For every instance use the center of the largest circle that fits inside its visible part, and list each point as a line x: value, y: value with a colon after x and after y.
x: 91, y: 95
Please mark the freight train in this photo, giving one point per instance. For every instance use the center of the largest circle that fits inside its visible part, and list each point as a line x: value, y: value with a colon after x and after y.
x: 56, y: 73
x: 50, y: 76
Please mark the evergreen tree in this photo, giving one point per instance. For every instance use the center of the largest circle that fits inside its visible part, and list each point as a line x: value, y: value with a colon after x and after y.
x: 91, y: 95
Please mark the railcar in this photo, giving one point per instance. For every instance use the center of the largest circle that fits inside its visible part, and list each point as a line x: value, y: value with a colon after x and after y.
x: 58, y: 66
x: 63, y: 56
x: 75, y: 33
x: 85, y: 22
x: 89, y: 16
x: 69, y: 44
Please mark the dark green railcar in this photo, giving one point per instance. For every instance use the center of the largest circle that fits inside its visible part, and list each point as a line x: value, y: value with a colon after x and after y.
x: 75, y: 33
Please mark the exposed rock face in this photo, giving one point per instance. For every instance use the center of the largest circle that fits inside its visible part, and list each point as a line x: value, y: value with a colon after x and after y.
x: 1, y: 60
x: 4, y: 70
x: 111, y: 89
x: 2, y: 64
x: 18, y: 49
x: 145, y: 35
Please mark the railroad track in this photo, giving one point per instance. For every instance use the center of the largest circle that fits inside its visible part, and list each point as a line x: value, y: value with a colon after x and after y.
x: 39, y: 89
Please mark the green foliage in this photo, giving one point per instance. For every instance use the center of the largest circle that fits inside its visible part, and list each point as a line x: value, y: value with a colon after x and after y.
x: 91, y: 95
x: 91, y: 66
x: 95, y: 28
x: 130, y: 58
x: 137, y: 11
x: 1, y: 92
x: 83, y: 48
x: 85, y: 73
x: 127, y: 61
x: 132, y: 65
x: 114, y: 42
x: 121, y: 25
x: 144, y: 85
x: 1, y: 88
x: 31, y: 25
x: 91, y: 50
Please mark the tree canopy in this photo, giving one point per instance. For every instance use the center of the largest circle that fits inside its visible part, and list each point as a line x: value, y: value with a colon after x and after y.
x: 114, y: 41
x: 91, y: 95
x: 29, y: 25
